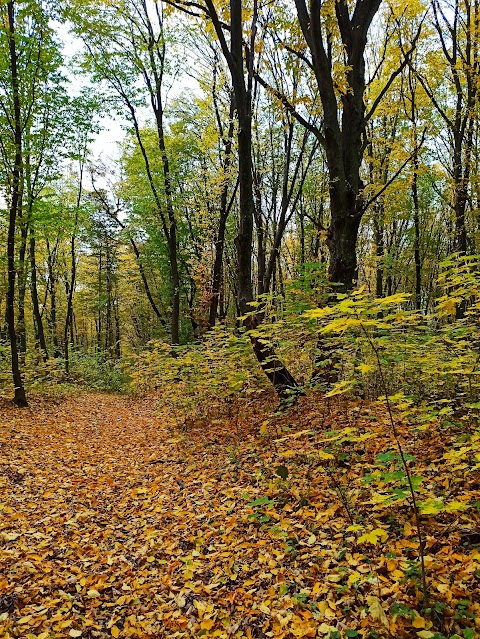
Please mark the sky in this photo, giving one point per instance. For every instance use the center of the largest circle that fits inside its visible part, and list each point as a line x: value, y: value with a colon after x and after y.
x: 107, y: 143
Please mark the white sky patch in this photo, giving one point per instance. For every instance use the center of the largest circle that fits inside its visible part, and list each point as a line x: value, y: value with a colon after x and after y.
x: 107, y: 143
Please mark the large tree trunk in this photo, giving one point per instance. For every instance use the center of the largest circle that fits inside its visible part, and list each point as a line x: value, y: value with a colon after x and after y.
x: 343, y: 133
x: 342, y: 241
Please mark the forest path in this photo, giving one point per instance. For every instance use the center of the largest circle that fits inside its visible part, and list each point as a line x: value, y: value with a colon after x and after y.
x: 112, y: 522
x: 115, y: 522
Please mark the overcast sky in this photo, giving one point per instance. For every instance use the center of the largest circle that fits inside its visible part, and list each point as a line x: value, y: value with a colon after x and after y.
x: 106, y: 144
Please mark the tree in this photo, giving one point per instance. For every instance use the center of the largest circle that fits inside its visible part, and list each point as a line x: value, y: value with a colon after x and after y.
x: 457, y: 28
x: 31, y: 84
x: 127, y: 44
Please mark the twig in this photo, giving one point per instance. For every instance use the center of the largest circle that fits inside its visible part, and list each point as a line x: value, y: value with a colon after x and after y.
x: 396, y: 436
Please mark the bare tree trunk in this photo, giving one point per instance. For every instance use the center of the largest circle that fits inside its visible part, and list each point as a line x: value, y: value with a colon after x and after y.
x: 73, y: 272
x: 52, y: 292
x: 22, y: 288
x: 225, y: 207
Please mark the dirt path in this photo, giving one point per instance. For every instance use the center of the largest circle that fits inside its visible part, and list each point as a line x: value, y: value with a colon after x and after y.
x: 114, y: 524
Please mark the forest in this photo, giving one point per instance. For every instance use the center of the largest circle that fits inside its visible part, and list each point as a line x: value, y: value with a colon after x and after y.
x: 240, y: 319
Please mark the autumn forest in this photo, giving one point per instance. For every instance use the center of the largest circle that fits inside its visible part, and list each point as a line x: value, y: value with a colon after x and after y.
x: 240, y: 319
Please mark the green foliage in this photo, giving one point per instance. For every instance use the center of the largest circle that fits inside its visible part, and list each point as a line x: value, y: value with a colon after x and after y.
x: 219, y: 366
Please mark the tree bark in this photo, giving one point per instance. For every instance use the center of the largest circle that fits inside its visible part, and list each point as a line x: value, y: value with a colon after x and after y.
x: 225, y: 207
x: 343, y: 135
x: 15, y: 202
x: 34, y: 294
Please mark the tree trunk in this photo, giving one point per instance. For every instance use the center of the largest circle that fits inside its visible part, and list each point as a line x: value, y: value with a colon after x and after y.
x: 22, y: 288
x: 380, y: 252
x: 283, y: 382
x: 342, y: 242
x: 15, y: 203
x: 73, y: 271
x: 52, y: 291
x: 223, y: 216
x: 34, y: 293
x: 416, y: 224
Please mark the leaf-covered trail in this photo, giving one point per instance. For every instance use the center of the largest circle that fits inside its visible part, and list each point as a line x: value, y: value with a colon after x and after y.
x: 114, y: 522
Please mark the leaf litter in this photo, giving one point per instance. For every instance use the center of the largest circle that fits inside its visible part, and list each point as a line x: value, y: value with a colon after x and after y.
x: 116, y: 520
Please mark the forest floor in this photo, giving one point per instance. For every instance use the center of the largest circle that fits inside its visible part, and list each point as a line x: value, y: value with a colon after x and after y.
x: 118, y: 521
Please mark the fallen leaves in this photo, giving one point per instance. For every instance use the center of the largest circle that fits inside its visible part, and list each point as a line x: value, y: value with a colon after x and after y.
x: 376, y: 610
x: 97, y: 540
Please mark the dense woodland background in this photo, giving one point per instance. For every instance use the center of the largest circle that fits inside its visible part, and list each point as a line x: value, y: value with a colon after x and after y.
x: 275, y: 157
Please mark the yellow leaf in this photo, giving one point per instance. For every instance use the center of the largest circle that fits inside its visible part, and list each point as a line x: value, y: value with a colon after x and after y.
x: 373, y: 536
x: 75, y: 633
x: 93, y: 593
x: 425, y: 634
x: 181, y: 601
x: 418, y: 622
x: 366, y: 368
x: 64, y: 624
x: 455, y: 505
x: 431, y: 506
x: 115, y: 631
x: 342, y: 387
x: 288, y: 453
x: 376, y: 611
x: 323, y: 455
x: 325, y: 628
x: 207, y: 624
x: 354, y: 577
x: 354, y: 528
